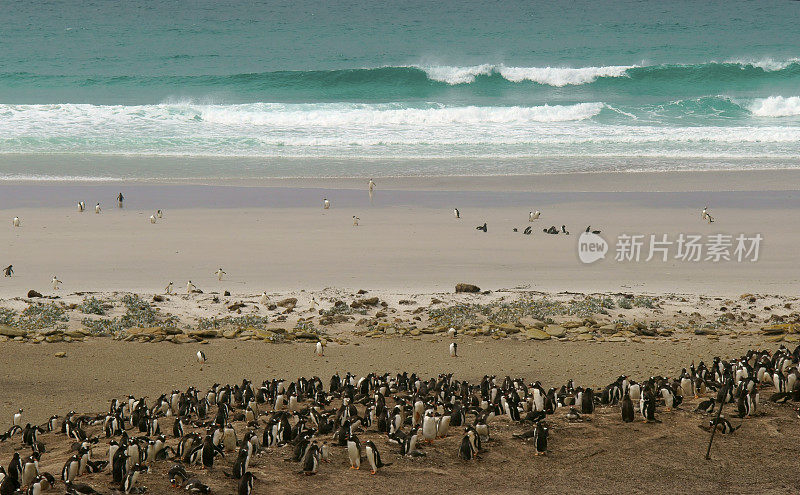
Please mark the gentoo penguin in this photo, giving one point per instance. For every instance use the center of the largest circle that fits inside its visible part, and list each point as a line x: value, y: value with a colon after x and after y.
x: 456, y: 213
x: 311, y: 460
x: 159, y: 214
x: 81, y: 206
x: 71, y: 468
x: 201, y: 357
x: 55, y: 282
x: 587, y: 401
x: 8, y: 271
x: 589, y: 229
x: 177, y: 475
x: 319, y: 348
x: 326, y: 204
x: 246, y: 484
x: 627, y: 408
x: 540, y: 439
x: 190, y: 287
x: 264, y: 298
x: 354, y: 452
x: 573, y: 414
x: 453, y: 349
x: 97, y: 208
x: 482, y: 227
x: 429, y: 426
x: 219, y: 273
x: 129, y: 485
x: 373, y: 457
x: 528, y: 230
x: 30, y: 469
x: 17, y: 418
x: 706, y: 406
x: 534, y: 215
x: 355, y: 221
x: 168, y: 288
x: 15, y: 221
x: 120, y: 199
x: 209, y: 451
x: 194, y: 485
x: 564, y: 230
x: 452, y: 333
x: 152, y: 219
x: 371, y: 185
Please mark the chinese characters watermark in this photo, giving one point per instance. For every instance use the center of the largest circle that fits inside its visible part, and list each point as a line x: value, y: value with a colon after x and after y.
x: 714, y: 248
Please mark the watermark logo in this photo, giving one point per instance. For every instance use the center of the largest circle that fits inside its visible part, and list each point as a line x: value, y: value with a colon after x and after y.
x: 693, y: 248
x: 591, y: 247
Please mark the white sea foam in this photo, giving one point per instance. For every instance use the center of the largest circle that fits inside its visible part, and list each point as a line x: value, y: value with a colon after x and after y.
x: 551, y: 76
x: 767, y: 63
x: 776, y: 106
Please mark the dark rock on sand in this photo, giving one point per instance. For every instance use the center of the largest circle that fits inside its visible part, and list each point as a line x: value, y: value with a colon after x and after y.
x: 33, y: 293
x: 467, y: 288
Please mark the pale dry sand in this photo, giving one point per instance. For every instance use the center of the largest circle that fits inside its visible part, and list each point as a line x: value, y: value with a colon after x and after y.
x: 279, y: 238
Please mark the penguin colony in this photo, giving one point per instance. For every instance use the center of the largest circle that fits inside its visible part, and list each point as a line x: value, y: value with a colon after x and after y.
x: 192, y: 431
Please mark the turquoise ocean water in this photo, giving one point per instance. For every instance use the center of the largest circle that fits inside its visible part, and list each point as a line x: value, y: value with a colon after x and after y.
x: 198, y: 87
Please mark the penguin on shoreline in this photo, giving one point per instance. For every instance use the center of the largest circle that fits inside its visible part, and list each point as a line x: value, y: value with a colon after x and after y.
x: 97, y: 208
x: 81, y: 206
x: 8, y: 271
x: 456, y: 213
x: 120, y: 199
x: 16, y: 222
x: 482, y: 227
x: 326, y: 205
x: 533, y: 215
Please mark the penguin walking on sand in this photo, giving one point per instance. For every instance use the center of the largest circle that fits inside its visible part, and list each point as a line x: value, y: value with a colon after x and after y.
x: 326, y: 205
x: 456, y: 213
x: 264, y: 298
x: 354, y: 452
x: 159, y: 214
x: 355, y: 221
x: 482, y: 227
x: 373, y: 457
x: 15, y: 222
x: 81, y: 206
x: 8, y: 271
x: 168, y: 289
x: 453, y: 349
x: 55, y: 282
x: 540, y: 439
x: 319, y: 349
x: 190, y: 287
x: 152, y: 219
x: 371, y: 186
x: 201, y: 357
x: 705, y: 215
x: 589, y: 229
x: 17, y: 420
x: 564, y: 230
x: 120, y: 199
x: 219, y: 273
x: 97, y: 208
x: 533, y: 215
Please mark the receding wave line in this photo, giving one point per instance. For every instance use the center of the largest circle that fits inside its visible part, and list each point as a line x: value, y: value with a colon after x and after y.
x: 427, y: 76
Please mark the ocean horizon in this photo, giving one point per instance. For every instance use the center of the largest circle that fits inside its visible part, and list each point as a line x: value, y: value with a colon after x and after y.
x: 311, y: 89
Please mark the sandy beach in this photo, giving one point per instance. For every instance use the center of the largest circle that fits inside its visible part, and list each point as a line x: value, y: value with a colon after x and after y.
x: 276, y: 236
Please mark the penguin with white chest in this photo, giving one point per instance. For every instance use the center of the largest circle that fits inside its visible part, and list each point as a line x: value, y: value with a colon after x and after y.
x: 16, y: 222
x: 319, y: 349
x: 354, y: 452
x: 373, y: 457
x: 453, y: 349
x: 246, y: 484
x: 540, y: 439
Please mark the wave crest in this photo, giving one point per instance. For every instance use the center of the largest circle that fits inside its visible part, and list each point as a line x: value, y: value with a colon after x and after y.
x: 776, y: 106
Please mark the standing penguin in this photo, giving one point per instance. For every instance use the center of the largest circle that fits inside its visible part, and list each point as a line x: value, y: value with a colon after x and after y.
x: 15, y: 221
x: 81, y: 206
x: 355, y: 221
x: 453, y: 349
x: 587, y: 401
x: 120, y: 199
x: 190, y: 287
x: 8, y: 271
x: 456, y: 213
x: 540, y: 439
x: 373, y: 457
x: 326, y: 204
x: 311, y: 460
x: 97, y: 208
x: 168, y: 289
x: 55, y: 282
x: 201, y: 357
x: 354, y: 452
x: 159, y: 214
x: 627, y: 408
x: 219, y: 273
x: 246, y: 484
x: 319, y: 349
x: 209, y: 451
x: 152, y: 219
x: 17, y: 421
